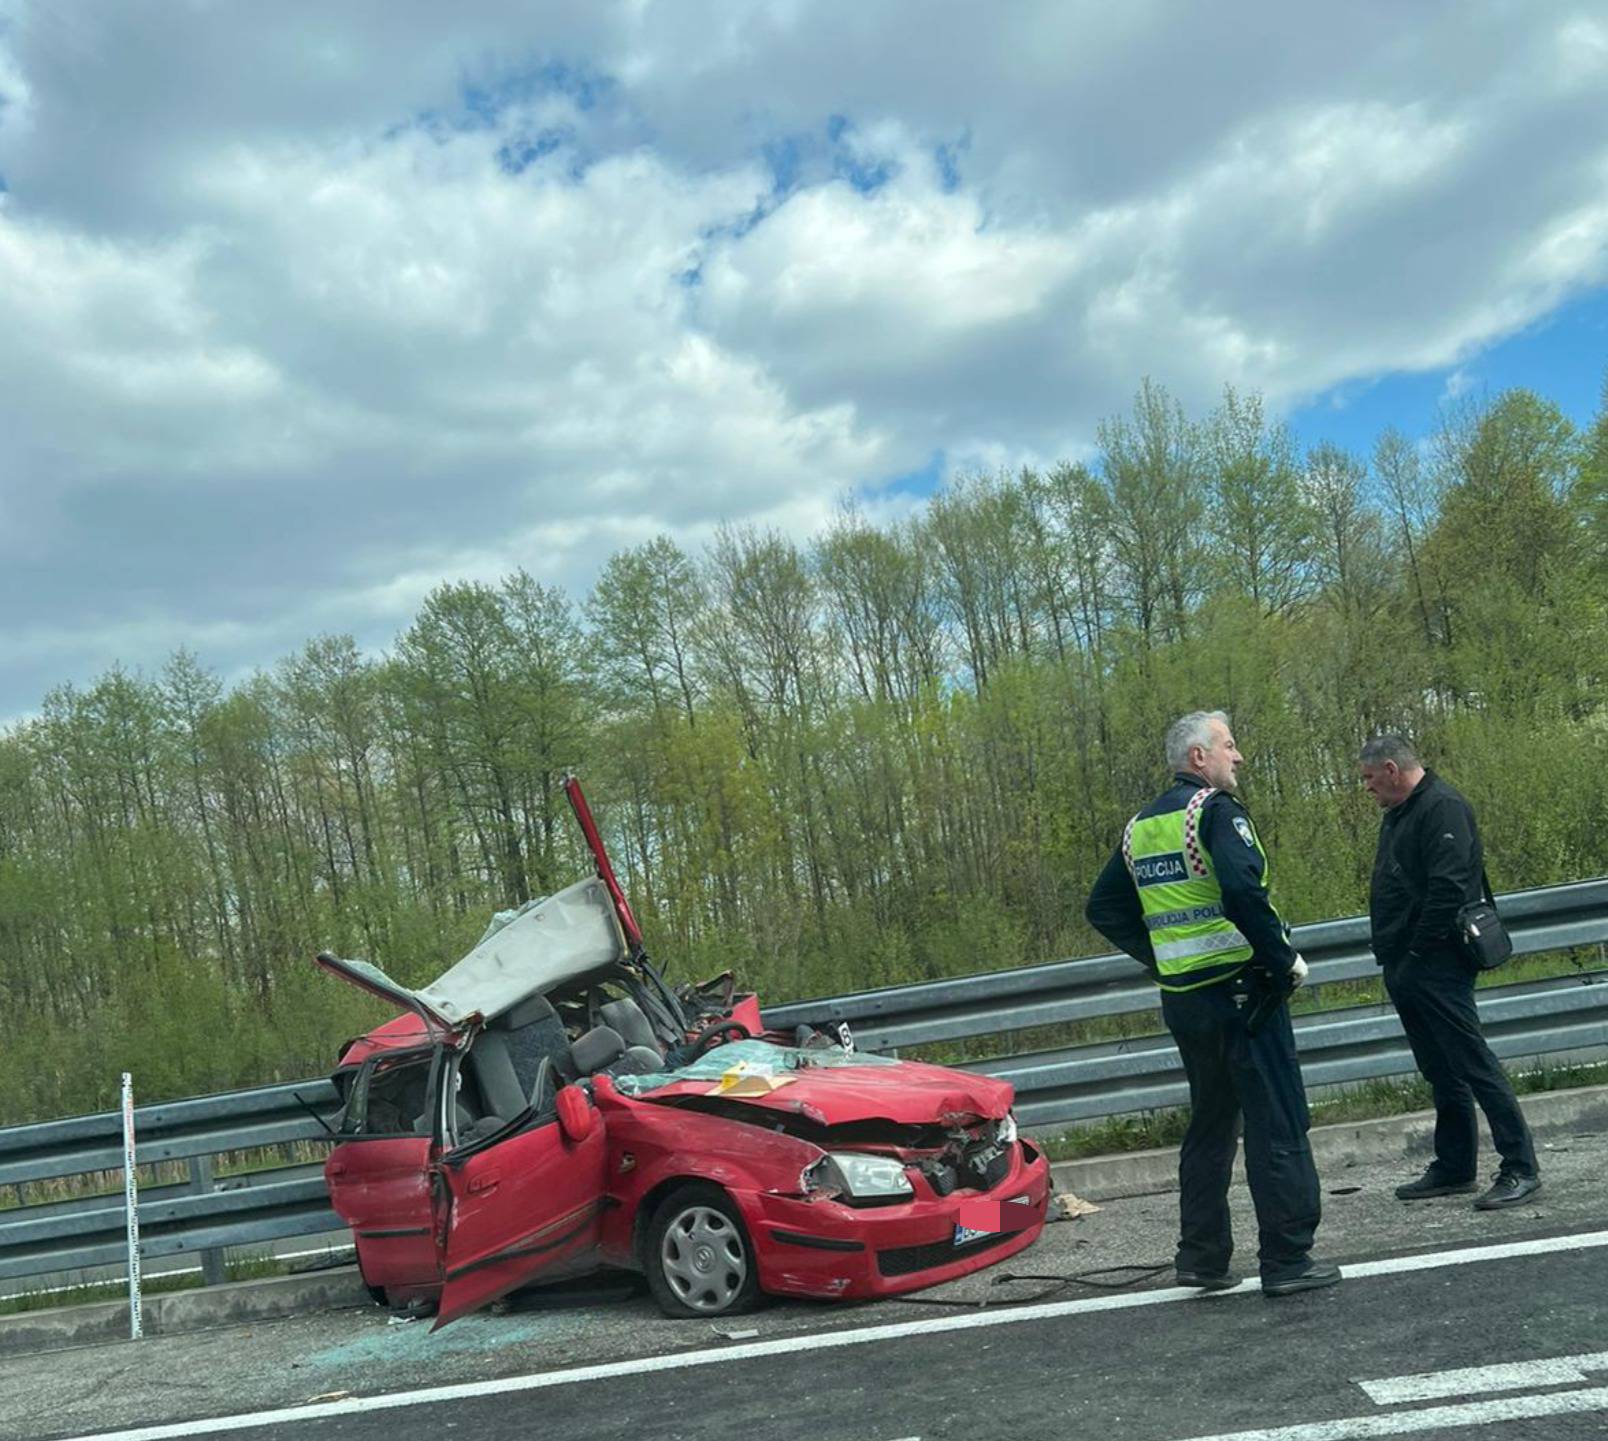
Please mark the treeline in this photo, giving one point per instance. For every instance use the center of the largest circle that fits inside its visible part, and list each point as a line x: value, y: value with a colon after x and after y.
x: 900, y: 751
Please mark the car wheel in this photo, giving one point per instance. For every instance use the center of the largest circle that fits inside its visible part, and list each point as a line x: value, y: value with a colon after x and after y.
x: 698, y: 1257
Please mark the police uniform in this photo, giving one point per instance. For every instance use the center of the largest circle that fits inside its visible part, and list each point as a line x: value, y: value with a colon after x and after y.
x: 1186, y: 896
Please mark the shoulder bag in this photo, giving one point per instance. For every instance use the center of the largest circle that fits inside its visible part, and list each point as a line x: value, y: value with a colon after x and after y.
x: 1480, y: 931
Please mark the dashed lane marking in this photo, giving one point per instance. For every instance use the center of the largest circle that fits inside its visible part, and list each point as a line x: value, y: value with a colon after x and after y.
x: 1429, y: 1418
x: 1463, y: 1381
x: 1475, y: 1380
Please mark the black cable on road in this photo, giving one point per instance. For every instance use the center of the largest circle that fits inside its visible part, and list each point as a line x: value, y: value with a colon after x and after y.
x: 1140, y: 1274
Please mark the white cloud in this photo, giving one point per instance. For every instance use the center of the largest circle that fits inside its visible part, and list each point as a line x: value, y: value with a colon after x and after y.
x: 302, y: 311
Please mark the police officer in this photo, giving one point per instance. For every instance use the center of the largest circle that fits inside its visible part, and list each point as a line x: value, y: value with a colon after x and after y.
x: 1186, y: 896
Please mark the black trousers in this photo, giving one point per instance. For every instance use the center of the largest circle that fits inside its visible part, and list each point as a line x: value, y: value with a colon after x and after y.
x: 1434, y: 996
x: 1233, y: 1074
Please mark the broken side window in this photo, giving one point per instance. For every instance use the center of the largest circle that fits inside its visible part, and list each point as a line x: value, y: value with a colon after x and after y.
x: 391, y: 1097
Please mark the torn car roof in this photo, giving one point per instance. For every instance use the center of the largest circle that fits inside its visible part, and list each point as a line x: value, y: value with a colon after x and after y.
x: 549, y: 943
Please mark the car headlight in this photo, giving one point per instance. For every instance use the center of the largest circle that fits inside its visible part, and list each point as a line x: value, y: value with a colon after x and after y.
x: 1005, y: 1131
x: 858, y: 1175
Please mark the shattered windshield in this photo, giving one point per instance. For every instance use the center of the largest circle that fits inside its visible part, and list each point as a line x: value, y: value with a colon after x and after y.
x: 741, y: 1068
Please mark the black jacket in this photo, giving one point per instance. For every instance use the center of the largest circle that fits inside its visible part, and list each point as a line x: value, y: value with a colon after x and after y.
x: 1114, y: 911
x: 1428, y: 865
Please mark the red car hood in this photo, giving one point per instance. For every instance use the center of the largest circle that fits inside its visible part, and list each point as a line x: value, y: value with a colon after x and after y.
x: 909, y: 1093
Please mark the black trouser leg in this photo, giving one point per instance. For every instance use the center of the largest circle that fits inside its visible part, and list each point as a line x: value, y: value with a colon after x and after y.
x: 1278, y: 1156
x: 1456, y: 1130
x: 1231, y: 1074
x: 1206, y: 1158
x: 1434, y: 996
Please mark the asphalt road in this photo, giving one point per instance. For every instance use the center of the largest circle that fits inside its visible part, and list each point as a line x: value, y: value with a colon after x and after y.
x: 1369, y: 1357
x: 1139, y: 1364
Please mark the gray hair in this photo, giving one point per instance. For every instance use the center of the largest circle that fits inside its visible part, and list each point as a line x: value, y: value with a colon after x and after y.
x: 1194, y: 729
x: 1395, y: 748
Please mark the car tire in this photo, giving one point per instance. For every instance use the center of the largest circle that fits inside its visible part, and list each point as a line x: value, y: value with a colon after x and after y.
x: 697, y: 1255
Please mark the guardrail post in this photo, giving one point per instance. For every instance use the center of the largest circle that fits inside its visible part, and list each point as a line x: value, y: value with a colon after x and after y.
x: 213, y: 1272
x: 136, y: 1325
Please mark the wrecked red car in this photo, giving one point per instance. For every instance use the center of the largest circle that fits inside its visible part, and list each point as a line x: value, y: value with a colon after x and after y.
x: 550, y: 1105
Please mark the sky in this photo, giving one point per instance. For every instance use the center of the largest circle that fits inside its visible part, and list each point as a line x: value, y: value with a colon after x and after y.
x: 307, y: 308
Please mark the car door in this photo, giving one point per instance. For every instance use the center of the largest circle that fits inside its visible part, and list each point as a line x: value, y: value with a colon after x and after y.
x: 380, y: 1177
x: 517, y: 1208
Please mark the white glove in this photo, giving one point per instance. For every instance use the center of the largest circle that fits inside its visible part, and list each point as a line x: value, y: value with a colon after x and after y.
x: 1298, y: 972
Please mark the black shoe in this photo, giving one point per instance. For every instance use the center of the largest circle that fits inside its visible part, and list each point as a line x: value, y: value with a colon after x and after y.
x: 1432, y: 1183
x: 1508, y: 1190
x: 1316, y: 1275
x: 1208, y: 1280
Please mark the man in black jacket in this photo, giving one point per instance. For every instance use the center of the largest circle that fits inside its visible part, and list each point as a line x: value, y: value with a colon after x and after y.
x: 1429, y: 864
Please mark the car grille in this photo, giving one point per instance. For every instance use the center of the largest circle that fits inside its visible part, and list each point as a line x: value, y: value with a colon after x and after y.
x: 906, y: 1260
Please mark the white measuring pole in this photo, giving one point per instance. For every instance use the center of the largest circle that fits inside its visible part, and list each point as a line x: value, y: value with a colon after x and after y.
x: 131, y: 1201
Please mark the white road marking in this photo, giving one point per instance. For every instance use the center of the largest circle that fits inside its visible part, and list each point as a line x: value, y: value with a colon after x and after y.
x: 829, y: 1340
x: 1434, y: 1260
x: 1430, y: 1418
x: 1473, y: 1380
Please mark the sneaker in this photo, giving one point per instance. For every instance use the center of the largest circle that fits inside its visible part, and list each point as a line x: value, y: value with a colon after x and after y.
x: 1433, y: 1183
x: 1316, y: 1276
x: 1208, y: 1280
x: 1508, y: 1190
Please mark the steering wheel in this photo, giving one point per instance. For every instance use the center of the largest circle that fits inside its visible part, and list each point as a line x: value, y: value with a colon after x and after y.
x: 712, y: 1034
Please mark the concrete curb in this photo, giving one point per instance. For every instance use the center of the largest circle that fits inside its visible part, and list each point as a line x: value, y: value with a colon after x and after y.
x: 173, y: 1311
x: 1095, y: 1178
x: 1407, y: 1138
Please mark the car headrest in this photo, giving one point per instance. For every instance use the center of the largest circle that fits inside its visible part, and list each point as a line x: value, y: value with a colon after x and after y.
x: 628, y: 1018
x: 526, y: 1013
x: 599, y: 1047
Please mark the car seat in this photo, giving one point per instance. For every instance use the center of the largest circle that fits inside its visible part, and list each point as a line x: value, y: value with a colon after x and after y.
x: 602, y: 1052
x: 597, y: 1050
x: 535, y: 1032
x: 631, y: 1021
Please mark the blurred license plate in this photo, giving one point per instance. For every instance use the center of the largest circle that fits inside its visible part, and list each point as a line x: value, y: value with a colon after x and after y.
x: 963, y: 1234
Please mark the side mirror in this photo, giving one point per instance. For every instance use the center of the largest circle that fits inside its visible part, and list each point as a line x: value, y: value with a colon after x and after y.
x: 575, y: 1118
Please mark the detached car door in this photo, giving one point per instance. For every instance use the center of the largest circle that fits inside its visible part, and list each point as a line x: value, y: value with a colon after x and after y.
x: 518, y: 1208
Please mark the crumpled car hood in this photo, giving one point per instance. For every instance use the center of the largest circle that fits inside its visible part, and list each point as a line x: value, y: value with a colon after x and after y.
x: 904, y: 1092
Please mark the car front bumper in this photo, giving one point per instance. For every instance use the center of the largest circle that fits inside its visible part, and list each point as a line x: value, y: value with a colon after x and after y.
x: 824, y: 1248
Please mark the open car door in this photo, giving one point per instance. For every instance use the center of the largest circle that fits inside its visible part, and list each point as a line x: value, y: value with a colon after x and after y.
x: 517, y: 1209
x: 379, y: 1175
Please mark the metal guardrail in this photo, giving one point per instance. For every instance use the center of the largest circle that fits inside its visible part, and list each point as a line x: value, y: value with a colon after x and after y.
x: 1565, y: 1016
x: 170, y: 1131
x: 1551, y: 918
x: 202, y: 1215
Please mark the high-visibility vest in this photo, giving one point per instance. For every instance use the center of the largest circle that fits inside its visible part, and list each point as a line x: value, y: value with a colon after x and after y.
x: 1180, y: 896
